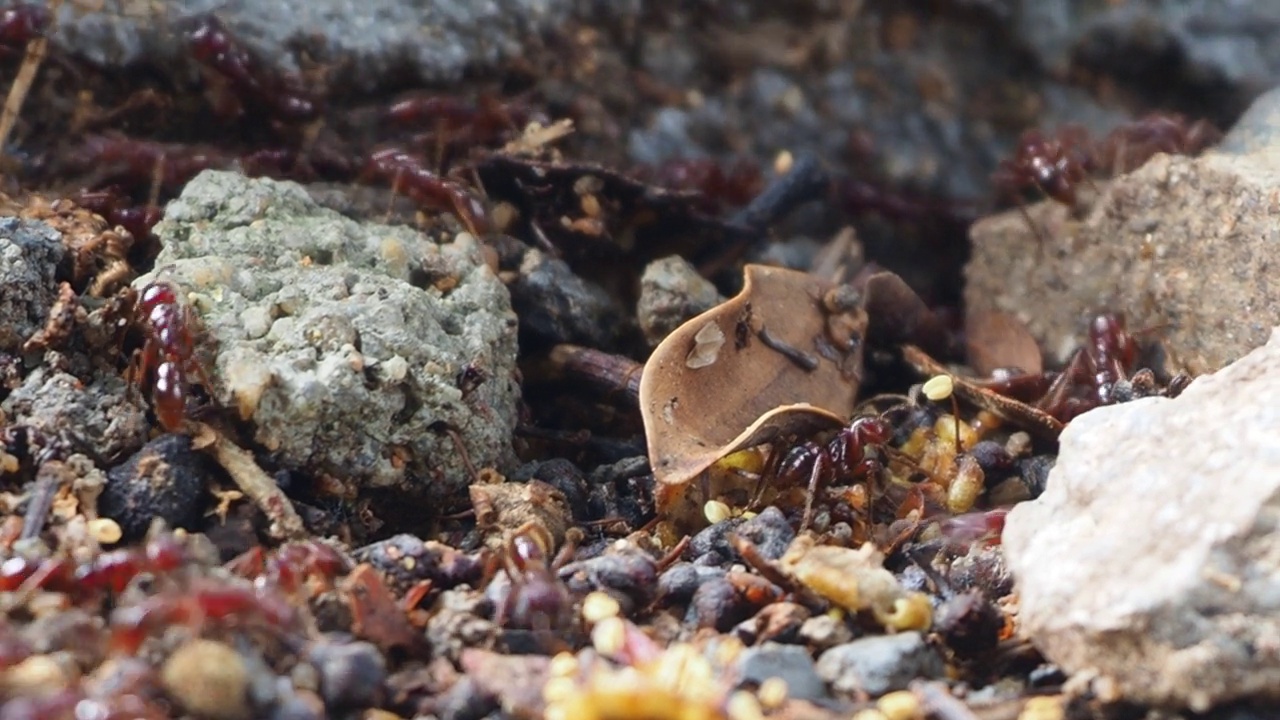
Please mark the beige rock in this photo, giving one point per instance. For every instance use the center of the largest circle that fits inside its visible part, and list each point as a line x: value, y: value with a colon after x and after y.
x: 209, y: 680
x: 1183, y: 246
x: 1151, y: 559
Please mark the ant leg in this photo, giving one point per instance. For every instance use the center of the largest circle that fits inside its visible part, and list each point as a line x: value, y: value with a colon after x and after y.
x: 815, y: 476
x: 1055, y: 398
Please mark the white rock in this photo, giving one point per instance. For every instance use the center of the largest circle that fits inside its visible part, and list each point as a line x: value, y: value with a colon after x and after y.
x: 1153, y: 557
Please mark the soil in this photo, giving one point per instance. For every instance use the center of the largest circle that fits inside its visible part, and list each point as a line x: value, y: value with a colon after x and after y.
x: 163, y: 560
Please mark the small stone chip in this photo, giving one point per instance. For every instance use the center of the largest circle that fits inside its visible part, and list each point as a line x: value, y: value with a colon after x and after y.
x: 209, y: 680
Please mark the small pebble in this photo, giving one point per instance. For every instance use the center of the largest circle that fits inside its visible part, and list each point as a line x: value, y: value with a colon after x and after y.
x: 208, y: 679
x: 880, y: 664
x: 351, y: 673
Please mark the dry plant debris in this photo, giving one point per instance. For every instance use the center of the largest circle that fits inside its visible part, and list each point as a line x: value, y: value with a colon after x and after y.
x: 777, y: 359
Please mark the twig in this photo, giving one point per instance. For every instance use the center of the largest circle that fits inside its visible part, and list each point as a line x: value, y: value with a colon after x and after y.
x: 36, y: 50
x: 286, y: 524
x: 939, y: 701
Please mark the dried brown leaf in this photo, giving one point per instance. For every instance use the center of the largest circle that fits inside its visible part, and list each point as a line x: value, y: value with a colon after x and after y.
x: 898, y: 315
x: 1000, y: 340
x: 777, y: 372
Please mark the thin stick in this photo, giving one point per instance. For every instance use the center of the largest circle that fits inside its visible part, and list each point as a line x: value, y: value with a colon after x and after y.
x: 36, y: 51
x: 286, y: 524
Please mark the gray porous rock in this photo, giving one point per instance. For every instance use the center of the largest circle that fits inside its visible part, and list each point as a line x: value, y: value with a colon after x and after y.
x: 29, y: 256
x: 879, y: 664
x: 672, y: 291
x: 95, y: 416
x: 1151, y: 559
x: 360, y: 350
x: 1222, y: 48
x: 1186, y: 245
x: 362, y: 43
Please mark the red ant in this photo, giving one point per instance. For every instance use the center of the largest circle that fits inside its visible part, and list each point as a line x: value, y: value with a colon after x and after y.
x: 21, y: 24
x: 169, y: 350
x: 114, y: 207
x: 145, y: 163
x: 842, y: 457
x: 403, y: 171
x: 1103, y: 365
x: 108, y: 572
x: 1053, y: 165
x: 536, y: 599
x: 203, y: 601
x: 217, y: 49
x: 456, y: 121
x: 732, y: 184
x: 290, y: 565
x: 1133, y: 143
x: 964, y: 531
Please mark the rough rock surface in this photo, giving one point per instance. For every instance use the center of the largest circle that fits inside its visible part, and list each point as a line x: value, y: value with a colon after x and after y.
x: 1185, y: 245
x: 93, y: 416
x: 355, y: 349
x: 1151, y: 558
x: 672, y: 291
x: 1218, y: 47
x: 434, y: 40
x: 879, y: 664
x: 29, y: 255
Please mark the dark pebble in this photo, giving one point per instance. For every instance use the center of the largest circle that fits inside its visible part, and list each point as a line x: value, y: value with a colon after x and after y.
x: 631, y: 577
x: 165, y: 479
x: 969, y: 624
x: 995, y: 461
x: 1034, y: 472
x: 677, y: 585
x: 352, y: 674
x: 712, y: 543
x: 769, y: 532
x: 405, y: 559
x: 564, y: 476
x: 555, y: 305
x: 880, y: 664
x: 792, y: 663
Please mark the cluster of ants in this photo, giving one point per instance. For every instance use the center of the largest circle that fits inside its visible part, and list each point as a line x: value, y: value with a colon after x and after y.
x: 1103, y: 371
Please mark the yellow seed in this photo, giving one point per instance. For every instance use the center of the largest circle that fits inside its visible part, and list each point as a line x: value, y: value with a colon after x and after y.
x: 900, y: 705
x: 751, y: 460
x: 913, y: 612
x: 748, y: 514
x: 558, y: 688
x: 773, y: 693
x: 938, y: 388
x: 743, y: 705
x: 609, y: 636
x: 598, y: 606
x: 105, y: 530
x: 564, y: 664
x: 783, y: 161
x: 590, y: 205
x: 1042, y: 708
x: 716, y: 511
x: 869, y: 714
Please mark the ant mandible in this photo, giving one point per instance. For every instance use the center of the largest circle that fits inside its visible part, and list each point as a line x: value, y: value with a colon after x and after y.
x: 843, y: 456
x: 169, y: 351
